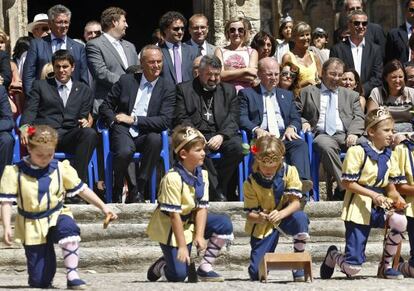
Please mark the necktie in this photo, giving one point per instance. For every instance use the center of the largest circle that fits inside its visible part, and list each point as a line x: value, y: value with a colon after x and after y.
x: 59, y: 43
x: 272, y: 125
x: 121, y: 53
x: 64, y: 94
x: 200, y: 50
x: 330, y: 117
x: 141, y: 107
x: 177, y: 63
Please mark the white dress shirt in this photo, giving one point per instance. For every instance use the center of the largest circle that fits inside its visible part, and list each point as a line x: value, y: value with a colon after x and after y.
x: 118, y: 47
x: 320, y: 126
x: 357, y: 54
x: 170, y: 50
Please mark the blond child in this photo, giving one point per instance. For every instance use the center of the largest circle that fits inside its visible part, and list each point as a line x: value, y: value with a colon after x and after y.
x: 369, y: 173
x: 272, y: 201
x: 38, y: 184
x: 181, y: 218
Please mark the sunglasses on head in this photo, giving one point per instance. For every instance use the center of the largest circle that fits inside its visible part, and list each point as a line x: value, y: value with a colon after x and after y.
x: 239, y: 30
x: 358, y: 23
x: 288, y: 74
x: 178, y: 28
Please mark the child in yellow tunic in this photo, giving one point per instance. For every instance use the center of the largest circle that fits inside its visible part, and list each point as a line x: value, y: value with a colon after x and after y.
x: 405, y: 155
x: 272, y: 200
x: 369, y: 173
x: 38, y: 184
x: 181, y: 217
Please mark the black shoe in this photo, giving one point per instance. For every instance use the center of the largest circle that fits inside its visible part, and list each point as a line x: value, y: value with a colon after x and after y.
x: 74, y: 200
x: 338, y: 195
x: 135, y: 196
x: 154, y: 271
x: 326, y: 272
x: 219, y: 197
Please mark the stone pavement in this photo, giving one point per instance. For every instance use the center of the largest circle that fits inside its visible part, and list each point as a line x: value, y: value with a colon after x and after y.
x: 236, y: 279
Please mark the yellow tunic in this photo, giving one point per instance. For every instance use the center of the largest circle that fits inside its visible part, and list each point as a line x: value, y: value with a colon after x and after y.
x: 258, y: 198
x: 34, y: 231
x: 175, y: 196
x: 306, y: 73
x: 357, y: 208
x: 403, y: 156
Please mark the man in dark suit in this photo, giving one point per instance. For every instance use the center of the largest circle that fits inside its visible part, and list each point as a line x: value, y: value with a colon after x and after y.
x: 213, y: 108
x: 5, y: 69
x: 178, y: 57
x: 198, y: 29
x: 397, y: 38
x: 138, y: 107
x: 63, y: 104
x: 6, y: 126
x: 375, y: 33
x: 334, y: 114
x: 41, y: 49
x: 109, y: 55
x: 255, y: 116
x: 360, y: 54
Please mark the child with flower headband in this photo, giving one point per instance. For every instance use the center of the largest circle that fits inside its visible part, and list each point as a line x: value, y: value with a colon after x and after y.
x: 181, y: 218
x: 369, y: 173
x: 405, y: 155
x: 38, y: 184
x: 272, y: 196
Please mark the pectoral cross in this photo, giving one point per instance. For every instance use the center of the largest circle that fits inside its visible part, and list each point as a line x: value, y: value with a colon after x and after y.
x: 207, y: 115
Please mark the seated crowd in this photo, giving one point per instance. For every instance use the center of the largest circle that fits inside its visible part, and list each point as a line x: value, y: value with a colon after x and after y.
x: 350, y: 98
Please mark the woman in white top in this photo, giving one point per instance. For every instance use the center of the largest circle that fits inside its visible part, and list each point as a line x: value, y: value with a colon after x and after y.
x: 239, y: 61
x: 397, y: 97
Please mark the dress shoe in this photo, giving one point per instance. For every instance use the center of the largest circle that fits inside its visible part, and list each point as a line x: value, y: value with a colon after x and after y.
x: 338, y: 195
x: 135, y: 196
x: 219, y: 197
x: 306, y: 186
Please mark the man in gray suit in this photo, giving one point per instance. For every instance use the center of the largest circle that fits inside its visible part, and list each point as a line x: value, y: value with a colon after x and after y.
x: 198, y: 29
x: 109, y: 55
x: 334, y: 114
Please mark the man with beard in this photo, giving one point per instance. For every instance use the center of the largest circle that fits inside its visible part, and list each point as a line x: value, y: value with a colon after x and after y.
x: 213, y: 108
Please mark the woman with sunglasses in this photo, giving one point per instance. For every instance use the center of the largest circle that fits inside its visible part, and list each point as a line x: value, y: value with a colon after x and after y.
x: 239, y: 60
x: 288, y: 78
x: 309, y: 65
x: 350, y: 79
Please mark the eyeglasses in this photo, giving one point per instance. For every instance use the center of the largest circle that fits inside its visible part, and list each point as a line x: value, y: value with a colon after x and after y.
x: 289, y: 74
x: 178, y: 28
x: 42, y: 28
x: 355, y: 8
x: 240, y: 30
x: 358, y: 23
x: 95, y: 32
x: 200, y: 27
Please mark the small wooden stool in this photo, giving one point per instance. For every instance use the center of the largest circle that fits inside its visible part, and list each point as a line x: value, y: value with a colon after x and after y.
x: 286, y: 261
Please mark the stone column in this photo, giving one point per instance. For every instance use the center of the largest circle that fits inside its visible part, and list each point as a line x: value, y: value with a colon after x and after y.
x: 14, y: 21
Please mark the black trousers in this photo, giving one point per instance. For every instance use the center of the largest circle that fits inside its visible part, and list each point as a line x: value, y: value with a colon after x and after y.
x: 123, y: 147
x: 6, y: 150
x: 80, y: 142
x: 223, y: 172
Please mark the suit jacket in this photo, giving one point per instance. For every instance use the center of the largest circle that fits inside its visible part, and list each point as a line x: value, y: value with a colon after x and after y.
x: 106, y: 65
x: 251, y: 108
x: 397, y: 44
x: 5, y: 69
x: 121, y: 99
x: 45, y: 106
x: 371, y: 65
x: 6, y: 115
x: 225, y: 109
x: 350, y: 111
x: 209, y: 47
x: 40, y: 53
x: 188, y: 54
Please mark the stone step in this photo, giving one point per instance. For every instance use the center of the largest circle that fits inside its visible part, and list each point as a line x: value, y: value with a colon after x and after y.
x: 138, y: 258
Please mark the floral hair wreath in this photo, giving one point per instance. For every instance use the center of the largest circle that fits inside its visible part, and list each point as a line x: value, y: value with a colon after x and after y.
x: 31, y: 130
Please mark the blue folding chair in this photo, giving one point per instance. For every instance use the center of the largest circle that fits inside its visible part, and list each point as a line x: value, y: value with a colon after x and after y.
x: 315, y: 163
x: 165, y: 155
x: 92, y: 167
